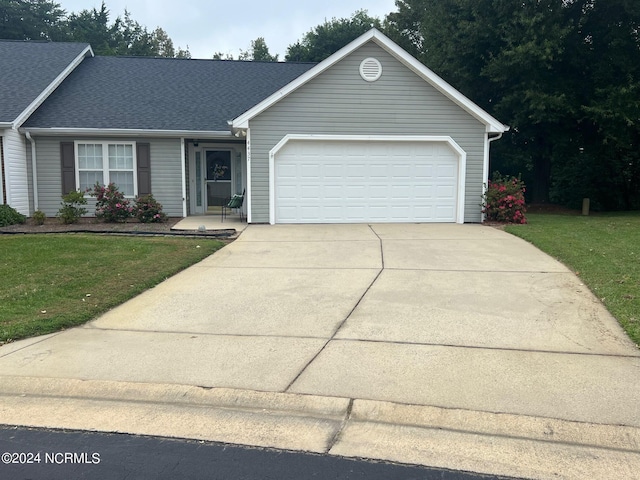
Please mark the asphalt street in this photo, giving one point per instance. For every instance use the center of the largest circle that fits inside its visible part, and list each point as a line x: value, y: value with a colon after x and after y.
x: 38, y: 454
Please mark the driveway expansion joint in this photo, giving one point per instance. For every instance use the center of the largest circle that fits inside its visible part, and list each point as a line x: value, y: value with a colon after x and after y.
x: 341, y: 324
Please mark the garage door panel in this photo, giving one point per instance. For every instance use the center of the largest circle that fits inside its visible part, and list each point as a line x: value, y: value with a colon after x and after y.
x: 310, y: 192
x: 445, y: 171
x: 400, y: 192
x: 378, y: 171
x: 443, y: 212
x: 379, y: 193
x: 288, y: 170
x: 423, y: 192
x: 353, y: 182
x: 333, y: 172
x: 423, y: 172
x: 444, y: 192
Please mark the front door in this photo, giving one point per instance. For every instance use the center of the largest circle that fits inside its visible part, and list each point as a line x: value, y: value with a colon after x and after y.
x: 215, y: 174
x: 218, y: 178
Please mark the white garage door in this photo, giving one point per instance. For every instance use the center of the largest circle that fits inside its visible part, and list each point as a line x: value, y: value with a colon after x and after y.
x: 343, y: 181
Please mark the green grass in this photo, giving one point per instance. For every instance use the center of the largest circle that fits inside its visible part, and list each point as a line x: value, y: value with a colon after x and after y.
x: 603, y: 250
x: 51, y: 282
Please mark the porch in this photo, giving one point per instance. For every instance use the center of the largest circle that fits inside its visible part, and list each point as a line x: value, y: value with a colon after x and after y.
x: 212, y: 222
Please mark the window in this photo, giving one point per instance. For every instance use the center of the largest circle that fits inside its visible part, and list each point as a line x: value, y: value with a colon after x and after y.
x: 104, y: 163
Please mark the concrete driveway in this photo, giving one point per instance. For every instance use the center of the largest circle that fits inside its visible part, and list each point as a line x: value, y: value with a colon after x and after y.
x: 456, y: 346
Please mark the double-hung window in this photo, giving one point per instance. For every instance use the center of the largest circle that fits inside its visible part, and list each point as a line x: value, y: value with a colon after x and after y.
x: 106, y: 162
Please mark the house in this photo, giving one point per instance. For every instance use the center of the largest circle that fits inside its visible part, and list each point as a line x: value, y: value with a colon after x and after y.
x: 367, y: 135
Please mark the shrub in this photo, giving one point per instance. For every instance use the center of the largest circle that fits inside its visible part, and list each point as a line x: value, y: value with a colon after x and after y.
x: 71, y: 209
x: 39, y: 217
x: 10, y: 216
x: 149, y: 210
x: 111, y: 206
x: 503, y: 200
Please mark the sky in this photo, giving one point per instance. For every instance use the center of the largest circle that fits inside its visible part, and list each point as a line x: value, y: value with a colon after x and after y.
x: 210, y: 26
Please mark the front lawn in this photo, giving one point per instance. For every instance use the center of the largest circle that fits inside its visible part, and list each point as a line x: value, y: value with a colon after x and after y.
x: 51, y: 282
x: 602, y: 249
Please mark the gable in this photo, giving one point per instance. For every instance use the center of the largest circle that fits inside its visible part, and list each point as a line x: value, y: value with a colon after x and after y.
x: 375, y: 37
x: 400, y: 101
x: 30, y: 70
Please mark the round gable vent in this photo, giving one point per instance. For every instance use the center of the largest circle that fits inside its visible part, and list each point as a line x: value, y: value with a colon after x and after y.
x: 370, y: 69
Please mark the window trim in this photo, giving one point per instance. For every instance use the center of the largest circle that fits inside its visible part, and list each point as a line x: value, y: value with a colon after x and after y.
x: 105, y: 162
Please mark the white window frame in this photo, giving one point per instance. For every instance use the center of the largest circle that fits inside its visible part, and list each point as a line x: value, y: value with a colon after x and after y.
x: 105, y: 162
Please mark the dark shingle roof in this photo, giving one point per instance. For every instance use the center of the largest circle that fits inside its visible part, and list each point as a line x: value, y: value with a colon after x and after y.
x: 27, y: 68
x: 161, y: 93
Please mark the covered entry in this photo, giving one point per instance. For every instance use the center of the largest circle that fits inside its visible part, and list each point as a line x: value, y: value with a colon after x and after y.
x: 216, y: 172
x: 334, y: 179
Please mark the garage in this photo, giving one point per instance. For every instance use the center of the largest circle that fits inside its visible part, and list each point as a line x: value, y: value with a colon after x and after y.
x: 367, y: 180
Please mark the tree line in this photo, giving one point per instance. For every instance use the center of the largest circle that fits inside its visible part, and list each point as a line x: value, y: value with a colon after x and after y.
x: 563, y: 74
x: 46, y: 20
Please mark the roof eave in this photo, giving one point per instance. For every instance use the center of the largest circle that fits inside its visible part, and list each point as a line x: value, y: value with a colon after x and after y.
x: 129, y: 132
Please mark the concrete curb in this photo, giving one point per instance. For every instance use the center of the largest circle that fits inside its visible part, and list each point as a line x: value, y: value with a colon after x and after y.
x: 484, y: 442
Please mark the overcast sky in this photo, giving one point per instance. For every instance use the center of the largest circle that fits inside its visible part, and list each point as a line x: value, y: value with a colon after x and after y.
x: 209, y: 26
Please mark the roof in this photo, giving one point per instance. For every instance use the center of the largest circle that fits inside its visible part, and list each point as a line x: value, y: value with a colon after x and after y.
x: 374, y: 35
x: 167, y: 94
x: 30, y: 69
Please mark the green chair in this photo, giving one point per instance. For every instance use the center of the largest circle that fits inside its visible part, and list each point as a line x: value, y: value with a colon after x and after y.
x: 234, y: 203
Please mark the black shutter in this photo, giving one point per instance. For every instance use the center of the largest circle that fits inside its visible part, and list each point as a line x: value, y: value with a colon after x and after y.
x: 68, y: 167
x: 143, y: 154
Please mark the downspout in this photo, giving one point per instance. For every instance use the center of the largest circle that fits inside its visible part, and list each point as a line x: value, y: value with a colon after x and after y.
x: 248, y: 197
x: 496, y: 138
x: 183, y: 161
x: 486, y: 165
x: 34, y: 171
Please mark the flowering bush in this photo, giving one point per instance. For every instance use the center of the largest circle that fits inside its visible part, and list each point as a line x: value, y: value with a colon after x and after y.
x: 503, y: 200
x: 111, y: 206
x: 149, y: 210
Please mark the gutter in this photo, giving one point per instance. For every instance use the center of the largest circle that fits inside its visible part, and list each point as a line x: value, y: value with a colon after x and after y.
x: 133, y: 132
x: 34, y: 171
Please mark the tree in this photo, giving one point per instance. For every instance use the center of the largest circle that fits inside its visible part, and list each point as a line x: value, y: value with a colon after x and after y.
x: 326, y: 39
x: 562, y: 73
x: 92, y: 26
x: 222, y: 56
x: 31, y: 20
x: 258, y: 52
x: 45, y: 20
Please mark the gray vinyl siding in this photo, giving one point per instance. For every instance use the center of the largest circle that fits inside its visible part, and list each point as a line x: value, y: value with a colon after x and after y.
x: 16, y: 171
x: 340, y: 102
x: 166, y: 172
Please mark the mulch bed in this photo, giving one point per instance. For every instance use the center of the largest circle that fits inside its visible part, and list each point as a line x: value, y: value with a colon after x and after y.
x: 91, y: 225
